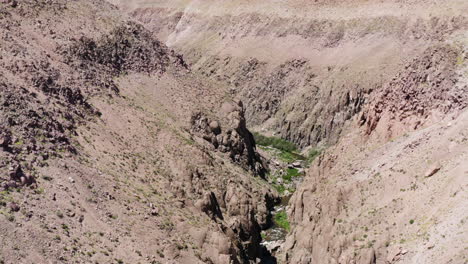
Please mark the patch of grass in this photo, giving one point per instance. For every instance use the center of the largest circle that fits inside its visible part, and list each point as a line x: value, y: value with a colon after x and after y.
x: 291, y: 173
x: 280, y: 188
x: 275, y: 142
x: 281, y: 220
x: 290, y: 156
x: 39, y: 191
x: 313, y: 153
x: 287, y: 150
x: 460, y: 60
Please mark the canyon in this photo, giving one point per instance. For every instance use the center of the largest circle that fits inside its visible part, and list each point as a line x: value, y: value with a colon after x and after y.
x: 189, y: 131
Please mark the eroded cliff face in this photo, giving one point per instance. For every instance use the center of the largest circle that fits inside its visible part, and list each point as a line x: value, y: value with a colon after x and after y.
x: 116, y: 148
x: 302, y: 69
x: 382, y: 84
x: 234, y: 139
x: 390, y: 190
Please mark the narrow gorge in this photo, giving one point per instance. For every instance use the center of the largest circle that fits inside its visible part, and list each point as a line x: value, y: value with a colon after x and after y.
x: 380, y: 87
x: 234, y: 132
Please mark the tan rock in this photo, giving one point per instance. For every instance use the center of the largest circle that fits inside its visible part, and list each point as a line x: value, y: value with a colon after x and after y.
x: 432, y: 170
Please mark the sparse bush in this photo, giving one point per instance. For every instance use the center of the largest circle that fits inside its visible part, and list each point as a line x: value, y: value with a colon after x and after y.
x: 47, y: 178
x: 59, y: 214
x: 313, y: 153
x: 280, y: 188
x: 291, y: 173
x: 9, y: 217
x: 281, y: 220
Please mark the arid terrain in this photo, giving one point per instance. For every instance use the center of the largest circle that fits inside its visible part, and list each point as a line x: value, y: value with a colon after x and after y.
x: 209, y: 131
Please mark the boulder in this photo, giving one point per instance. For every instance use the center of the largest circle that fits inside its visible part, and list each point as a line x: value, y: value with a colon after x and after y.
x: 297, y: 164
x: 14, y: 207
x: 432, y: 170
x: 215, y: 127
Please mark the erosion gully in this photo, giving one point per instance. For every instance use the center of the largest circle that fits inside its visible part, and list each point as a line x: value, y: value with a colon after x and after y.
x: 285, y: 177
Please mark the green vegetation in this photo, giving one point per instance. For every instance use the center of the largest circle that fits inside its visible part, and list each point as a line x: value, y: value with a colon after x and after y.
x: 287, y: 150
x: 274, y: 142
x: 411, y: 221
x: 290, y: 173
x: 281, y: 220
x: 280, y: 188
x: 313, y: 153
x: 289, y: 156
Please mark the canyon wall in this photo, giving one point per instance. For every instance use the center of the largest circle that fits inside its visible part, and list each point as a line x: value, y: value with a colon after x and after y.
x: 302, y: 68
x: 380, y: 85
x: 125, y: 129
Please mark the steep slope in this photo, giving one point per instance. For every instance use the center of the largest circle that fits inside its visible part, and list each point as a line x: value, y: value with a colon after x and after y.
x: 101, y: 159
x: 115, y: 148
x: 302, y: 69
x: 392, y: 189
x: 382, y: 85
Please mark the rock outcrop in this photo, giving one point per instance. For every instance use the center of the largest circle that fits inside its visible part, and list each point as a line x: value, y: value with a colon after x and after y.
x: 370, y: 198
x: 230, y: 136
x: 426, y: 88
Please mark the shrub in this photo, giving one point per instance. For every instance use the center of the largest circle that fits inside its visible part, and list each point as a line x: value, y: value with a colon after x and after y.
x: 313, y: 153
x: 280, y: 188
x: 290, y: 173
x: 59, y: 214
x: 281, y: 220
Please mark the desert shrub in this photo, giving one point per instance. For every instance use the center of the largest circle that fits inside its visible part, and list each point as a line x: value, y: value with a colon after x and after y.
x: 281, y: 220
x: 313, y: 153
x: 291, y: 173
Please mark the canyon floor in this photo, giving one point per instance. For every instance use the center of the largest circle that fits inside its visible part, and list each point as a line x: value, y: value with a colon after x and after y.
x: 240, y: 131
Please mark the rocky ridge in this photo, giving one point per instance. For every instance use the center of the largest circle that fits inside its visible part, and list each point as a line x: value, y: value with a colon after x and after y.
x: 92, y: 109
